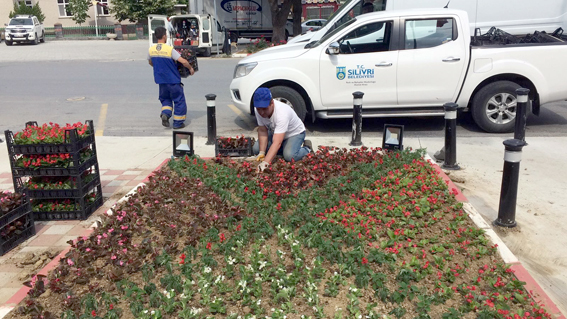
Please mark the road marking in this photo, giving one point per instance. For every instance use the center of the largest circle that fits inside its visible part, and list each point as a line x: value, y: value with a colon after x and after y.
x: 101, y: 119
x: 242, y: 116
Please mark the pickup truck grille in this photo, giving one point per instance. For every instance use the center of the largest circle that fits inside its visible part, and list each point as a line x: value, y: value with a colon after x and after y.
x: 19, y: 31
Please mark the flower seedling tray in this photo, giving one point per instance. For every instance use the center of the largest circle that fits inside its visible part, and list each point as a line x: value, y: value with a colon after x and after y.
x: 55, y: 171
x: 59, y: 193
x: 7, y: 244
x: 16, y: 213
x: 72, y: 143
x: 189, y: 53
x: 69, y: 215
x: 239, y: 151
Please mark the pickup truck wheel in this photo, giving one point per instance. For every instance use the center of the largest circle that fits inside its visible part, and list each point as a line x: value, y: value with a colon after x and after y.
x: 42, y: 39
x: 35, y: 40
x: 494, y: 107
x: 290, y: 97
x: 207, y: 52
x: 8, y: 43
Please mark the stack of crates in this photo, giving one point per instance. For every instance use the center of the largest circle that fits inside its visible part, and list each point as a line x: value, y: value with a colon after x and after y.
x: 65, y: 192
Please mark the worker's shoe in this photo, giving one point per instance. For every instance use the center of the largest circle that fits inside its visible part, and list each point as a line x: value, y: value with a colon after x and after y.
x: 309, y: 145
x: 164, y: 120
x: 179, y: 126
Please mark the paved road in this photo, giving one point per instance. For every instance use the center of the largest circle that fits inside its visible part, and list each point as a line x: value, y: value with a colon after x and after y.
x: 110, y: 81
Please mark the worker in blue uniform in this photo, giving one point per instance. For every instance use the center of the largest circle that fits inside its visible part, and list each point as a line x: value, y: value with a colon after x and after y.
x: 162, y: 58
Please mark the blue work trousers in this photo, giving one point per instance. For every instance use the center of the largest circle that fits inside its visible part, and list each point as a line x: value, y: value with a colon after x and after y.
x: 172, y: 100
x: 291, y: 147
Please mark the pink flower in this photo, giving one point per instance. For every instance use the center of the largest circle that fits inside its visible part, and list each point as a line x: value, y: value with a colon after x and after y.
x: 70, y: 262
x: 113, y: 257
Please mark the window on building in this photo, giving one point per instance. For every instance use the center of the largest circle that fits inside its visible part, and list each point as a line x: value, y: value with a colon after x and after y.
x: 63, y: 9
x: 28, y: 3
x: 102, y: 8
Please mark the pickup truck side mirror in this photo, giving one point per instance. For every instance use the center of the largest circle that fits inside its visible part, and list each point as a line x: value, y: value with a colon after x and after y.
x: 333, y: 49
x: 5, y: 24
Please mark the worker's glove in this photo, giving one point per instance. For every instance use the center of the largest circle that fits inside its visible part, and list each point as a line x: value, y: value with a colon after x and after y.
x: 262, y: 166
x: 261, y: 156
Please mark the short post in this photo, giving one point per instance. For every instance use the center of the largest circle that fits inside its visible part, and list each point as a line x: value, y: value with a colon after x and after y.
x: 521, y: 113
x: 139, y: 31
x: 450, y: 161
x: 357, y: 119
x: 211, y: 119
x: 58, y: 28
x: 118, y: 31
x: 509, y: 190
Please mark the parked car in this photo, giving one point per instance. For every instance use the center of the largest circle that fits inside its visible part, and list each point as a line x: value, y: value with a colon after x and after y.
x: 407, y: 63
x: 312, y: 25
x: 24, y: 28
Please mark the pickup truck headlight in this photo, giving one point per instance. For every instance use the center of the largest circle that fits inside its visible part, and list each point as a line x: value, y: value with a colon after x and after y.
x: 244, y: 69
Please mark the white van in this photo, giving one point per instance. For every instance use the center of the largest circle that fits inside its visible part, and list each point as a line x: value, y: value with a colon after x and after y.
x: 513, y: 16
x: 202, y: 31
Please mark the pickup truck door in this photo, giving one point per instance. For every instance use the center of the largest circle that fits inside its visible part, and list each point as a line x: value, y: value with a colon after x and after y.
x: 432, y: 61
x: 367, y: 62
x: 154, y: 21
x: 205, y: 31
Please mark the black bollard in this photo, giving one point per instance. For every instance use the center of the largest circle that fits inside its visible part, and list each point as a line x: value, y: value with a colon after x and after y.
x: 509, y: 190
x: 211, y: 119
x: 521, y: 114
x: 450, y: 161
x: 357, y: 119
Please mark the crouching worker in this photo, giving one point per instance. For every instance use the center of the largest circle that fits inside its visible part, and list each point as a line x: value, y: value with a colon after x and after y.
x: 280, y: 130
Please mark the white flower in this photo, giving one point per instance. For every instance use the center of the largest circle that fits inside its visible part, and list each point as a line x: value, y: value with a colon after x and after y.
x: 263, y: 264
x: 258, y: 302
x: 231, y: 260
x: 207, y: 270
x: 145, y: 311
x: 153, y: 312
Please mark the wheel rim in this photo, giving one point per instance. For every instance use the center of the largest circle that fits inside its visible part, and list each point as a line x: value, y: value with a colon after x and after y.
x: 285, y: 101
x: 501, y: 108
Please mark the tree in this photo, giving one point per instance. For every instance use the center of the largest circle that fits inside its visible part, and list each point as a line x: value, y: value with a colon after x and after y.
x: 21, y: 8
x: 279, y: 18
x: 297, y: 11
x: 79, y: 9
x: 138, y: 10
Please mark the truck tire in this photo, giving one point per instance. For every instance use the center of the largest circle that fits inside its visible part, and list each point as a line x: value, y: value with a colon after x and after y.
x: 292, y: 98
x: 207, y: 52
x: 42, y: 39
x: 494, y: 107
x: 35, y: 40
x: 8, y: 43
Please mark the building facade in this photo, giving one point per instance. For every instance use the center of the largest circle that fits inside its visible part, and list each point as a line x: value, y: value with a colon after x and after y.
x: 56, y: 11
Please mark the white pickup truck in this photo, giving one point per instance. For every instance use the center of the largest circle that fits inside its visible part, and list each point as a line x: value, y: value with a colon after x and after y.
x: 407, y: 63
x: 24, y: 28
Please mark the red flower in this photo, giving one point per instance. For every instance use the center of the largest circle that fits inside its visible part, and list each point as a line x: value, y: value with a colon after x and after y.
x: 221, y: 237
x: 209, y: 245
x: 93, y: 313
x: 364, y: 260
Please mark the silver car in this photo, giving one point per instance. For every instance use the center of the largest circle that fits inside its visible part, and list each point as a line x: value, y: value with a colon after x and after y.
x: 312, y: 25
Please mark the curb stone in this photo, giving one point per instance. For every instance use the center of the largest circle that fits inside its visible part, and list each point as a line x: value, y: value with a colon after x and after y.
x: 532, y: 287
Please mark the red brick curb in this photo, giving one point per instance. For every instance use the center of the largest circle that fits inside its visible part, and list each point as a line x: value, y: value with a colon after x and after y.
x: 521, y: 273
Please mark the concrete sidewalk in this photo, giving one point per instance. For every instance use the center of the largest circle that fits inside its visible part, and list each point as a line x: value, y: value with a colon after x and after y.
x: 537, y: 242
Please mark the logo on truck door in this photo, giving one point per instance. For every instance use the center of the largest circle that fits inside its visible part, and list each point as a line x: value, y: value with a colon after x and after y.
x: 341, y: 72
x: 240, y: 5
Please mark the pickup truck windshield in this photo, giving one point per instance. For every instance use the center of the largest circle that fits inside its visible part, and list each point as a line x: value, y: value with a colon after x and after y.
x: 314, y: 44
x: 345, y: 16
x: 21, y: 22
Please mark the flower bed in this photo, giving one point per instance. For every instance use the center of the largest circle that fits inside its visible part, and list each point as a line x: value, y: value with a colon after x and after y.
x: 341, y: 234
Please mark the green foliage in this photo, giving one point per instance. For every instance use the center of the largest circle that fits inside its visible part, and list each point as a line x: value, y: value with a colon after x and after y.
x: 79, y: 9
x: 21, y: 8
x: 138, y: 10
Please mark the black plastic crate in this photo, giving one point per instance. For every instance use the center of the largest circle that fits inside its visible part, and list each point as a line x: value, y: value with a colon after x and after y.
x: 59, y: 193
x: 72, y: 143
x: 234, y: 152
x: 192, y: 59
x: 8, y: 244
x: 69, y: 215
x: 54, y: 171
x: 16, y: 213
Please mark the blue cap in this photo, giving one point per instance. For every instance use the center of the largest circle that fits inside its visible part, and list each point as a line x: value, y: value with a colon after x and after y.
x: 262, y: 98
